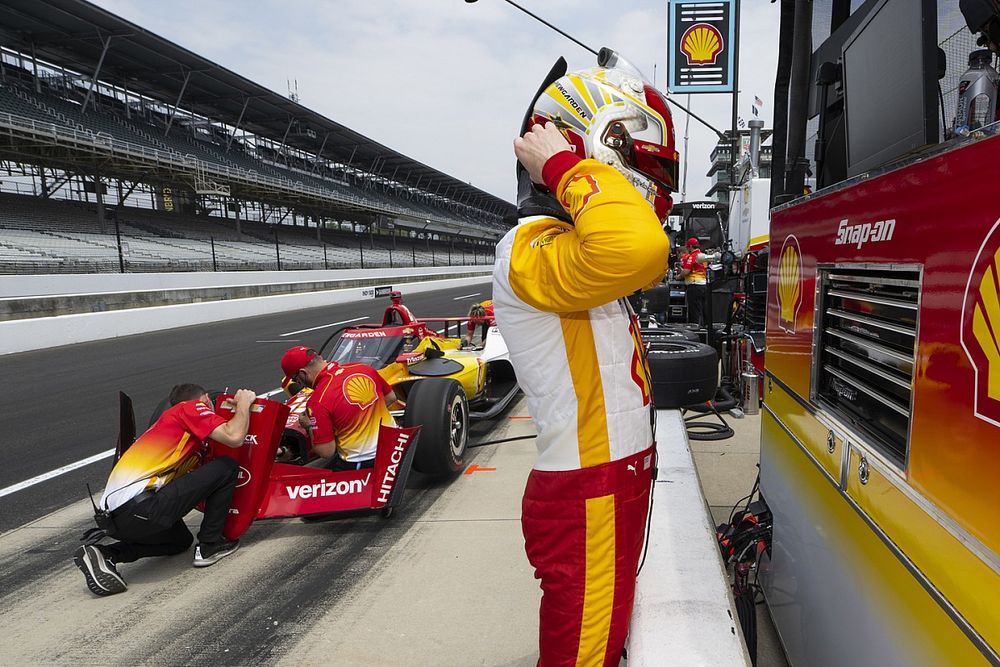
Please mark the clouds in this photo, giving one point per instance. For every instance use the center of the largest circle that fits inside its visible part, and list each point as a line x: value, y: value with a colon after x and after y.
x: 443, y: 81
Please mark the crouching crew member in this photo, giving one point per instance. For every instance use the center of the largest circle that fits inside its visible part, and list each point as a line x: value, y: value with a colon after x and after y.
x: 559, y: 285
x: 158, y: 481
x: 484, y: 313
x: 346, y: 407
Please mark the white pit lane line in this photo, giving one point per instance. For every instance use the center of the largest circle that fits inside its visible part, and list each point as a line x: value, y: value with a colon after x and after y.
x: 465, y: 296
x: 323, y: 326
x: 44, y: 477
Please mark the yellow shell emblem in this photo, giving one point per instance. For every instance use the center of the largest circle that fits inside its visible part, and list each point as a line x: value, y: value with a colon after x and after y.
x: 980, y: 332
x: 789, y: 284
x: 701, y: 43
x: 360, y: 390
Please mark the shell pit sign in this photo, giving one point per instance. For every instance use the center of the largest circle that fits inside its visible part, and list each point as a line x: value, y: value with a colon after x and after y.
x: 701, y: 36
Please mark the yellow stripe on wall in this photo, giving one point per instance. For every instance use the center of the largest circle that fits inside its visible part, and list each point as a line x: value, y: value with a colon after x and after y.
x: 591, y: 416
x: 599, y: 592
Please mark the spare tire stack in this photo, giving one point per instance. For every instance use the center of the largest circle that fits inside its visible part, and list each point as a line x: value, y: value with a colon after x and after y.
x: 683, y: 372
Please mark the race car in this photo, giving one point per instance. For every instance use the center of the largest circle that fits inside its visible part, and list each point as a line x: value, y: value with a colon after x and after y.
x: 440, y: 384
x: 436, y: 380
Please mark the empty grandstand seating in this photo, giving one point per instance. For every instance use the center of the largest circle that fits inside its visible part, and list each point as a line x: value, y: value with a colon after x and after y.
x: 40, y: 235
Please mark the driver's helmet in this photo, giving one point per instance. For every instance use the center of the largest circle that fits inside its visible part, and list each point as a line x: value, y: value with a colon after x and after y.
x: 395, y: 296
x: 613, y: 115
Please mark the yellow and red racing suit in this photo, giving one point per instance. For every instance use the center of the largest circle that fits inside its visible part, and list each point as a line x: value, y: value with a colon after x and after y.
x: 558, y: 293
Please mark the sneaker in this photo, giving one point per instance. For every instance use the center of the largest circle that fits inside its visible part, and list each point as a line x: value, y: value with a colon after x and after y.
x: 99, y: 571
x: 207, y: 553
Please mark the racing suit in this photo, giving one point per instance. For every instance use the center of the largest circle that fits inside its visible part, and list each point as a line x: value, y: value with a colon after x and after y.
x: 558, y: 293
x: 696, y: 284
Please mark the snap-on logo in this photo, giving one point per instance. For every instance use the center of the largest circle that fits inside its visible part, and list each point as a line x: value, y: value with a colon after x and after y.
x: 868, y: 232
x: 980, y: 335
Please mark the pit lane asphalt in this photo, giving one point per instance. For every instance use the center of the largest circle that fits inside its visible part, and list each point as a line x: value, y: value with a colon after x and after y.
x: 61, y: 405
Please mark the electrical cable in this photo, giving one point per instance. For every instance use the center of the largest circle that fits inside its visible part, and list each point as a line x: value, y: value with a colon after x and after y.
x: 502, y: 440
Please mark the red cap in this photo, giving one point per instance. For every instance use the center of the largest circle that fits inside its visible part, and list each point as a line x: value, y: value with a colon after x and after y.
x: 692, y: 241
x: 295, y: 360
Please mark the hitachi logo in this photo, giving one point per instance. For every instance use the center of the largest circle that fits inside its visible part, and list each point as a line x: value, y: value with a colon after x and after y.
x: 388, y: 481
x: 863, y: 233
x: 327, y: 488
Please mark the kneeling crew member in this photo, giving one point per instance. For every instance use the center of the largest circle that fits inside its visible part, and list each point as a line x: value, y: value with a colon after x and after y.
x: 156, y: 483
x: 484, y: 313
x: 346, y: 407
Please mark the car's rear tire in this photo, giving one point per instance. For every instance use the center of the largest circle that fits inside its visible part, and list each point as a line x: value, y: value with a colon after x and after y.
x: 439, y: 407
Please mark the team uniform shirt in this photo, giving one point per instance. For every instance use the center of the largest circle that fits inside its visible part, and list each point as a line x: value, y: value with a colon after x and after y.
x: 488, y: 307
x: 558, y: 292
x: 691, y: 261
x: 348, y: 405
x: 169, y: 449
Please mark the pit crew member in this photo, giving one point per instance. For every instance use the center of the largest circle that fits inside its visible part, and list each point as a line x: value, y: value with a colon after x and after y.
x: 481, y: 310
x: 346, y: 407
x: 157, y: 481
x: 693, y: 272
x: 583, y: 243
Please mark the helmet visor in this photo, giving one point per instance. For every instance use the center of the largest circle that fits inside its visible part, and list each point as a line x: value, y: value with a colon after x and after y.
x: 654, y: 161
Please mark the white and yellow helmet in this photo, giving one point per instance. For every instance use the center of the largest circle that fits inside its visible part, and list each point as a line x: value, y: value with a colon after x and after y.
x: 611, y: 114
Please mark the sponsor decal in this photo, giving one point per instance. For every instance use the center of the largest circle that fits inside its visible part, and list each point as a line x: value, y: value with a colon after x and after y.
x: 868, y: 232
x: 789, y: 283
x: 250, y: 439
x: 364, y: 334
x: 327, y: 488
x: 359, y: 390
x: 571, y: 100
x: 980, y: 333
x: 701, y: 44
x: 578, y: 191
x: 242, y: 477
x: 392, y: 470
x: 376, y: 292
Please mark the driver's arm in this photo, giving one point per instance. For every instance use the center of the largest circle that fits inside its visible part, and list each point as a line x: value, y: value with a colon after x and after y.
x: 232, y: 433
x: 615, y: 246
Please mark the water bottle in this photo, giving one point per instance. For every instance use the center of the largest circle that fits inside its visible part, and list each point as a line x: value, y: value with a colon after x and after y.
x: 977, y: 93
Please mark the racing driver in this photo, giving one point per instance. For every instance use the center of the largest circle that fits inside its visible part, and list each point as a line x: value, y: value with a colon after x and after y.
x: 157, y: 481
x: 346, y: 407
x: 601, y: 161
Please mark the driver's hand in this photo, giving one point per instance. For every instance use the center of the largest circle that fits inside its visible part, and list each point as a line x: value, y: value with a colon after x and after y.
x: 537, y: 145
x: 244, y: 397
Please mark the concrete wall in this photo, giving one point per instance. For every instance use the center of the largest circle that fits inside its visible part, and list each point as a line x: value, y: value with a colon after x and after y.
x: 90, y: 283
x: 40, y: 333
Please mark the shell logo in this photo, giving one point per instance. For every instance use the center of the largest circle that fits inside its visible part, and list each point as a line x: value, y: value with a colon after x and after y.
x: 980, y: 335
x: 359, y: 390
x: 789, y: 283
x: 702, y: 44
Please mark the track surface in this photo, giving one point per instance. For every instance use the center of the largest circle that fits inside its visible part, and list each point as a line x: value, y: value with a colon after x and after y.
x: 61, y: 404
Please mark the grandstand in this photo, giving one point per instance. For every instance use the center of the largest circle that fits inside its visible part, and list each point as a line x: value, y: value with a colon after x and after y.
x: 120, y: 150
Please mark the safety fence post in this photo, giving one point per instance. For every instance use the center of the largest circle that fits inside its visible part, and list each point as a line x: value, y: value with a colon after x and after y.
x: 277, y: 248
x: 215, y: 264
x: 326, y: 265
x: 413, y: 256
x: 361, y: 247
x: 118, y: 236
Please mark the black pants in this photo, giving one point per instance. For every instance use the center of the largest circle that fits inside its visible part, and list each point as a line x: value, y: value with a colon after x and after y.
x: 696, y: 303
x: 155, y: 526
x: 338, y: 464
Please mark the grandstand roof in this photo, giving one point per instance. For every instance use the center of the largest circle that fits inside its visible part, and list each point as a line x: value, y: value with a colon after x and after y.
x: 73, y: 34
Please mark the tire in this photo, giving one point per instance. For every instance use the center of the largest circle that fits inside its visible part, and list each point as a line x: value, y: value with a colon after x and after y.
x: 681, y: 326
x: 439, y: 407
x: 683, y: 373
x: 667, y: 335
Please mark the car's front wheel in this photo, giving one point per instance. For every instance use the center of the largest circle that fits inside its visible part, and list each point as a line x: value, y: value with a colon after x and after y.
x: 439, y: 407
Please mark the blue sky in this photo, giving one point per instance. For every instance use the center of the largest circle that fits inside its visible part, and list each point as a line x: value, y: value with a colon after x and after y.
x: 444, y: 81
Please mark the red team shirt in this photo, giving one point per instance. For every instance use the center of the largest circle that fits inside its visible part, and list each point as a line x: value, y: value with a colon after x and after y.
x: 348, y: 405
x: 170, y: 448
